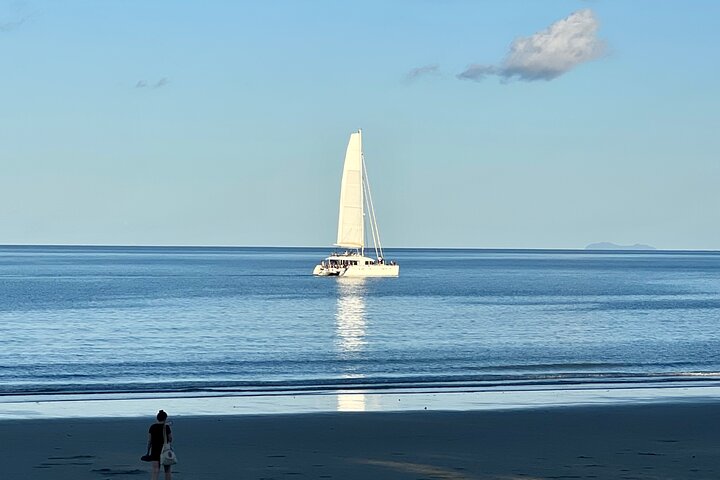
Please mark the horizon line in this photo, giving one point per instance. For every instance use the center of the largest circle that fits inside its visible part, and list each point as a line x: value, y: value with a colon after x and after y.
x: 582, y: 249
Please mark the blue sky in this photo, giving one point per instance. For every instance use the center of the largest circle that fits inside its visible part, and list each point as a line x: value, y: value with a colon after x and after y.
x: 225, y: 123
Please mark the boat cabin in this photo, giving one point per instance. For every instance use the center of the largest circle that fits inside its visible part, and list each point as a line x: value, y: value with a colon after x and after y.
x: 343, y: 261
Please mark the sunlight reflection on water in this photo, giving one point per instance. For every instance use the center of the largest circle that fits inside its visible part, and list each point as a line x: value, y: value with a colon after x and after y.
x: 350, y: 321
x: 351, y: 402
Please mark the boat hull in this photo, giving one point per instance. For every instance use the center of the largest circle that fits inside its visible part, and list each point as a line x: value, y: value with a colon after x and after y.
x: 321, y: 271
x: 378, y: 270
x: 357, y: 271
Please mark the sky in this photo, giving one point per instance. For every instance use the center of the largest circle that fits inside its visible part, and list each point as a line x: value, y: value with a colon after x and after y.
x: 486, y: 124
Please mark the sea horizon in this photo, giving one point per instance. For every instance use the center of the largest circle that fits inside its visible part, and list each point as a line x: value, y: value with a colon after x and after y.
x: 335, y: 248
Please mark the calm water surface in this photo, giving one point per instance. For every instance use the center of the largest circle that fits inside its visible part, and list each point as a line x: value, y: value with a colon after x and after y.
x: 136, y: 319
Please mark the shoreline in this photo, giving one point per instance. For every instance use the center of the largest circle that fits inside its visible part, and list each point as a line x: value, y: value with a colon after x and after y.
x: 558, y: 382
x: 669, y: 440
x: 60, y: 406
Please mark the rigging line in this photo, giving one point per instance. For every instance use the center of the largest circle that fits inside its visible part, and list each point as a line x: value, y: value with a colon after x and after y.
x: 376, y: 230
x: 367, y: 205
x: 364, y: 201
x: 372, y: 230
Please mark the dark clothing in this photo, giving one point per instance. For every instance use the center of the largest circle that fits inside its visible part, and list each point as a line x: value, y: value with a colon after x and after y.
x: 156, y: 440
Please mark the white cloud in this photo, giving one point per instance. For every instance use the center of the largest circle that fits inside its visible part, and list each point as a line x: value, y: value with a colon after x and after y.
x: 418, y: 72
x: 159, y: 84
x: 547, y: 54
x: 478, y: 72
x: 11, y: 25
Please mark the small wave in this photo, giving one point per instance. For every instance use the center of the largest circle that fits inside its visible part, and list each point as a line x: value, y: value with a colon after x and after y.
x: 483, y: 382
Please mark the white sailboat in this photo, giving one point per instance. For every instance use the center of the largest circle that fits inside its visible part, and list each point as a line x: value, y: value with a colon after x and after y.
x: 355, y: 205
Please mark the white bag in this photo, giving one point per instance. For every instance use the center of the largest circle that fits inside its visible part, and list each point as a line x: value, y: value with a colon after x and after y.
x: 167, y: 454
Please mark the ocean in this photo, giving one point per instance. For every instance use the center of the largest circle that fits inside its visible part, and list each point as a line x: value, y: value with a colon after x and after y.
x: 193, y: 320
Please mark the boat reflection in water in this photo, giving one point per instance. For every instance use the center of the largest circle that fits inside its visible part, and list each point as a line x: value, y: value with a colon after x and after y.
x: 350, y: 326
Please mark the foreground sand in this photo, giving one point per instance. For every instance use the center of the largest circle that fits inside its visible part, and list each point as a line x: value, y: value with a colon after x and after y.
x: 680, y: 441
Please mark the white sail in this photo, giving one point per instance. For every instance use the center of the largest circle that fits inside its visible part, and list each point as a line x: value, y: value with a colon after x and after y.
x: 351, y: 223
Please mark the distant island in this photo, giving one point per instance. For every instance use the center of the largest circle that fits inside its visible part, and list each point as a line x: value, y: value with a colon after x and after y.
x: 614, y: 246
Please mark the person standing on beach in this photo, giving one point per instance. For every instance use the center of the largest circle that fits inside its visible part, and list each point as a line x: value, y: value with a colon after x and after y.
x: 156, y: 439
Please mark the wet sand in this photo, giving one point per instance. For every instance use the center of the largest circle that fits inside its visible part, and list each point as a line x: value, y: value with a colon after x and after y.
x: 659, y: 441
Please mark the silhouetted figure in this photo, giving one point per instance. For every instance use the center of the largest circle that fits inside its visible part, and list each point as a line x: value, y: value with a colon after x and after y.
x: 156, y: 439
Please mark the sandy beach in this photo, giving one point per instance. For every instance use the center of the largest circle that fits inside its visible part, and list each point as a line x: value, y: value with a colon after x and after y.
x: 667, y: 441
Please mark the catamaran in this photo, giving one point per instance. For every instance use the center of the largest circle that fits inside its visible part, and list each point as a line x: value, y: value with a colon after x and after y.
x: 355, y: 199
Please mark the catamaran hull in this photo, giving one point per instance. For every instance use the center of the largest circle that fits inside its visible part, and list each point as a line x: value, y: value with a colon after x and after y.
x: 371, y: 271
x: 320, y: 271
x: 358, y: 271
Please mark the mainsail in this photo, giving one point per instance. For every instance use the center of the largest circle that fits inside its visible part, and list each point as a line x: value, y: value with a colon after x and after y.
x: 350, y: 221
